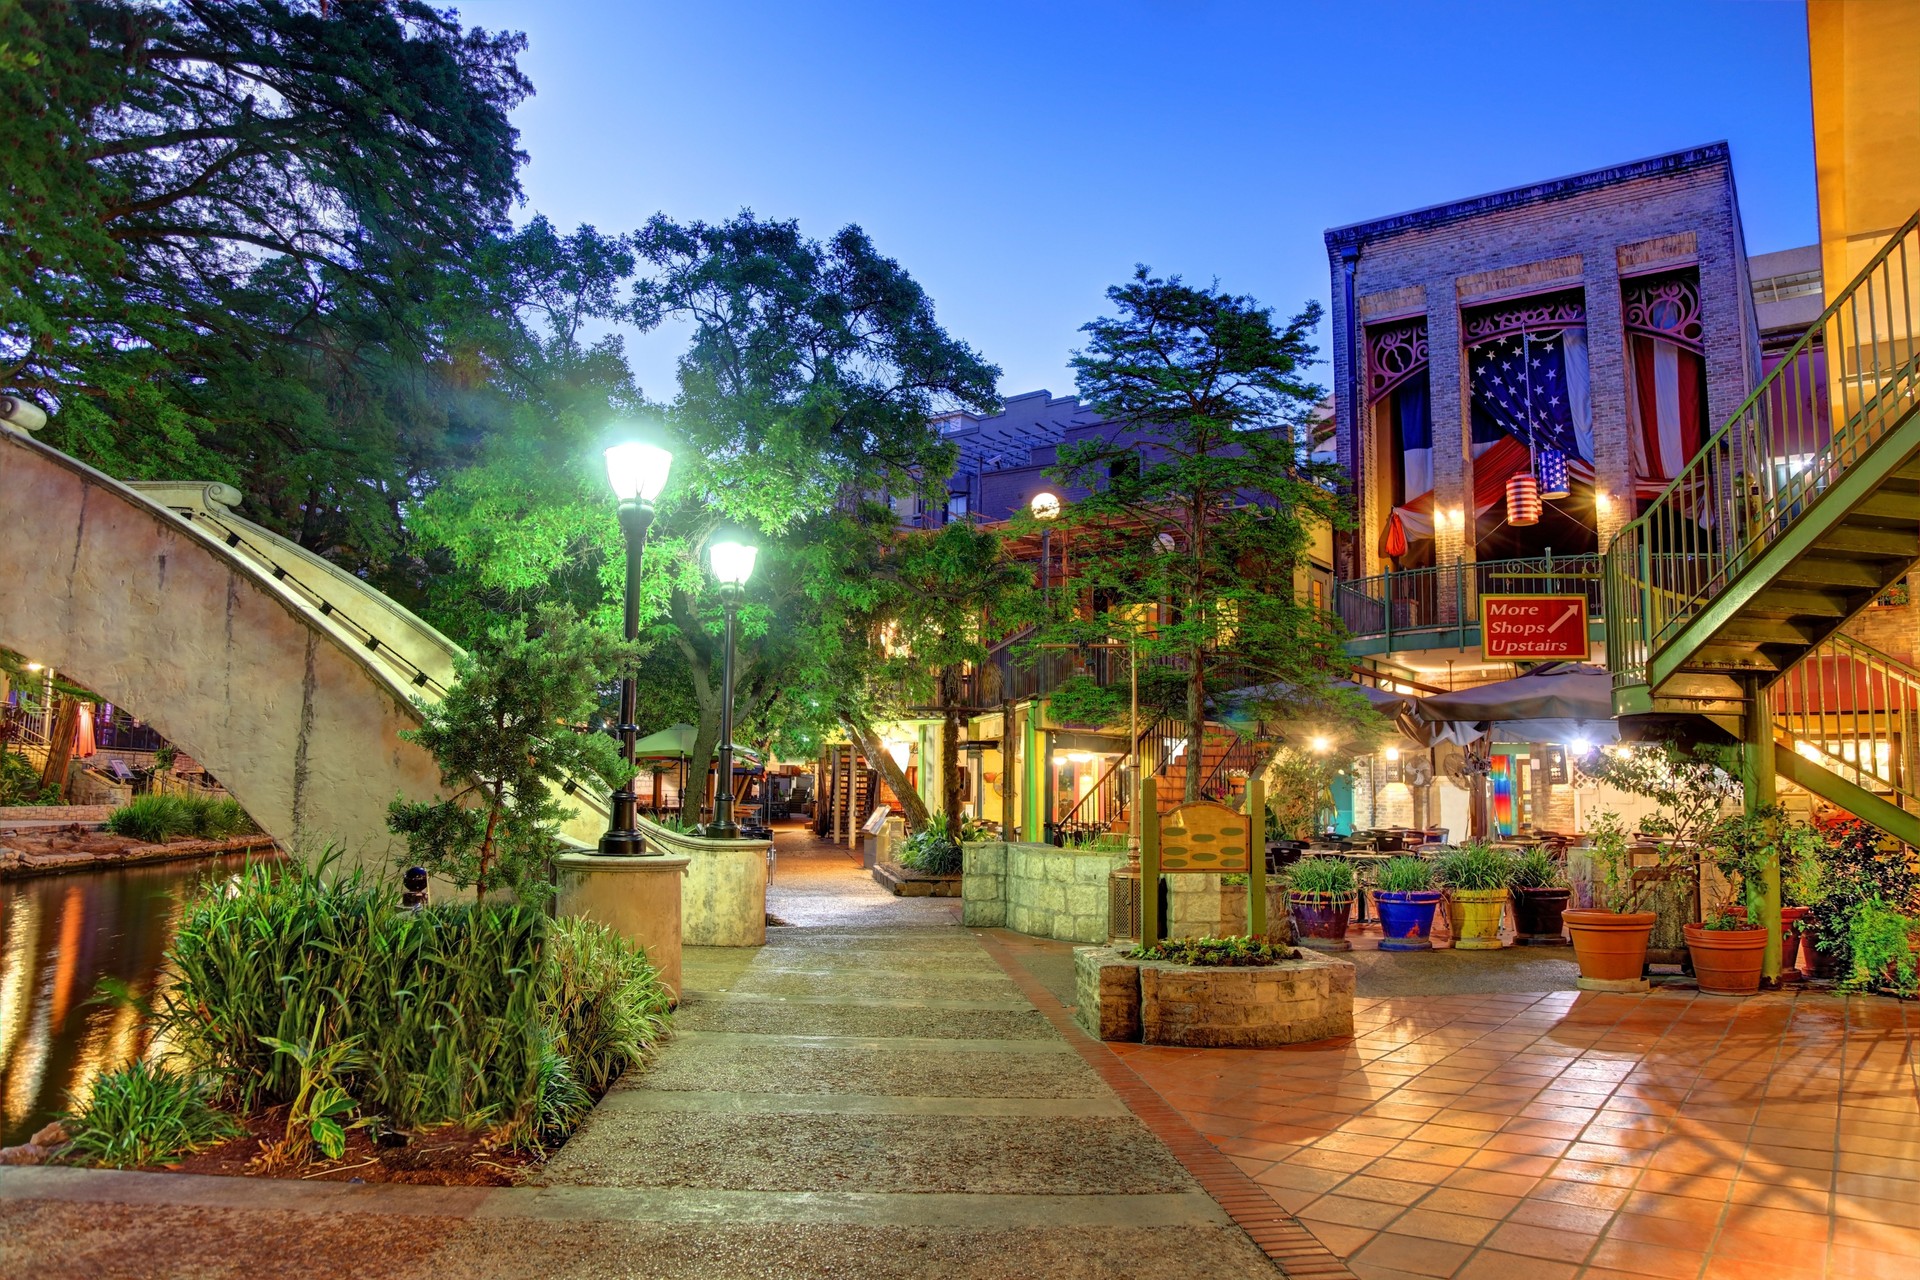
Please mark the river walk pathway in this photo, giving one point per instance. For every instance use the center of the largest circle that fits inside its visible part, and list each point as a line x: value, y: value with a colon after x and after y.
x: 878, y: 1092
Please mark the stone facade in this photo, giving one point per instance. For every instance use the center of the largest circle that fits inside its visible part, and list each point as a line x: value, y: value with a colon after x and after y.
x: 1250, y: 1008
x: 1589, y: 230
x: 1037, y: 889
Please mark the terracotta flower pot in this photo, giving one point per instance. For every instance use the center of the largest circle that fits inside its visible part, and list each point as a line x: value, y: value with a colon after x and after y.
x: 1727, y: 961
x: 1610, y: 947
x: 1320, y: 920
x: 1821, y: 963
x: 1474, y: 915
x: 1536, y: 916
x: 1406, y: 919
x: 1790, y: 918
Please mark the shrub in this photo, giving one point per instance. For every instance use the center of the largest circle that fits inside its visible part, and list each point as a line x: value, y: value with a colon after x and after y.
x: 1535, y: 869
x: 932, y: 852
x: 1405, y: 875
x: 1880, y: 951
x: 1855, y: 866
x: 601, y: 1001
x: 20, y: 782
x: 145, y: 1114
x: 1473, y: 866
x: 158, y: 818
x: 1329, y: 877
x: 1235, y: 952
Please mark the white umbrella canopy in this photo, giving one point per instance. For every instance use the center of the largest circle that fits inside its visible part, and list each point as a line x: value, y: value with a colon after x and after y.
x: 1557, y: 703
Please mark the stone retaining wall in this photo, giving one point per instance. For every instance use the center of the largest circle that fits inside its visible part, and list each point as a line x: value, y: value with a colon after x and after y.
x: 1037, y: 889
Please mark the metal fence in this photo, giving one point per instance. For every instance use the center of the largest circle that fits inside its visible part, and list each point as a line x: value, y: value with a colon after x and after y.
x: 1435, y: 602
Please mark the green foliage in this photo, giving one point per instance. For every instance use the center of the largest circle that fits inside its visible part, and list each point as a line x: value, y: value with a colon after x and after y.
x: 1535, y: 869
x: 1724, y: 920
x: 156, y: 819
x: 1325, y: 876
x: 230, y: 231
x: 20, y: 782
x: 601, y: 1000
x: 1856, y: 866
x: 1191, y: 545
x: 1744, y: 846
x: 1234, y: 952
x: 932, y: 851
x: 1475, y: 865
x: 1692, y: 786
x: 1300, y: 793
x: 144, y: 1114
x: 1880, y: 954
x: 502, y: 737
x: 1619, y: 889
x: 979, y: 829
x: 317, y: 1117
x: 1405, y: 875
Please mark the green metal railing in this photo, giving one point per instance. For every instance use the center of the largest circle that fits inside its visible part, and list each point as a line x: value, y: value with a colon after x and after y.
x: 1443, y: 602
x: 1791, y: 440
x: 1855, y: 712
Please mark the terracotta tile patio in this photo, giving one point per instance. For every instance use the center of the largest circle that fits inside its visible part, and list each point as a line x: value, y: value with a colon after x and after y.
x: 1530, y: 1136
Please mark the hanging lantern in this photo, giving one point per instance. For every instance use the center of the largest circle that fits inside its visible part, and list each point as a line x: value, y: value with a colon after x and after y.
x: 1393, y: 541
x: 1552, y: 470
x: 1523, y: 499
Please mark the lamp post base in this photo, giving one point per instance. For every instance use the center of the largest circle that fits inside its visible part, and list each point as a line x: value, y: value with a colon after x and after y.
x: 623, y: 844
x: 721, y: 831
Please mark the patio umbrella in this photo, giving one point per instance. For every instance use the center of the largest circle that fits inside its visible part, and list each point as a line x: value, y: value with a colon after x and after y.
x: 675, y: 742
x: 1557, y: 702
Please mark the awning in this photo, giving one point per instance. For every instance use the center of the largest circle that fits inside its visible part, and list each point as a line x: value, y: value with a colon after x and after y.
x: 1558, y: 702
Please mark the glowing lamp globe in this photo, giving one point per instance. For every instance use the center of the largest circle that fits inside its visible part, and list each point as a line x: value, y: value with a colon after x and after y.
x: 638, y: 472
x: 1045, y: 506
x: 732, y: 562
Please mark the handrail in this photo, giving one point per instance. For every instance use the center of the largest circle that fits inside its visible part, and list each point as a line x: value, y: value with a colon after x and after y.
x: 1244, y: 754
x: 1107, y: 798
x: 1853, y: 710
x: 1405, y: 601
x: 1768, y: 465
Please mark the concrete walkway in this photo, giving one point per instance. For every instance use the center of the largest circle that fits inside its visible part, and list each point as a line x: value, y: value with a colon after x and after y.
x: 873, y: 1094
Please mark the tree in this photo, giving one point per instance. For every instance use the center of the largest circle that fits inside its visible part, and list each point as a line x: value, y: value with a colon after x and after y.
x: 506, y: 733
x: 949, y: 593
x: 229, y: 226
x: 1200, y: 500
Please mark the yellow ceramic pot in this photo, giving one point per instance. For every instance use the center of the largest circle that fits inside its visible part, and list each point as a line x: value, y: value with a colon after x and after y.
x: 1475, y: 917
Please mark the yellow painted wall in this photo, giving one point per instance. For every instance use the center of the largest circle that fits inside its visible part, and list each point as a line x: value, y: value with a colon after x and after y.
x: 1865, y: 61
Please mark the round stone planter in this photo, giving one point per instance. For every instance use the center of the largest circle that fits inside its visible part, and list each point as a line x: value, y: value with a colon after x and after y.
x: 1610, y: 947
x: 1406, y: 919
x: 1320, y: 920
x: 1727, y: 962
x: 1119, y: 998
x: 1536, y: 916
x: 1475, y: 915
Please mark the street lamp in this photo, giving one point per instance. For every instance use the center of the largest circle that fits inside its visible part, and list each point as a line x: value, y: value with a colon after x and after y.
x: 1046, y: 509
x: 732, y: 562
x: 637, y: 472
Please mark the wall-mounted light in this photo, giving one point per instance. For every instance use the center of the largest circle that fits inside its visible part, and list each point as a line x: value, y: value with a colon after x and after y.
x: 1320, y: 745
x: 1457, y: 517
x: 1393, y: 754
x: 1602, y: 501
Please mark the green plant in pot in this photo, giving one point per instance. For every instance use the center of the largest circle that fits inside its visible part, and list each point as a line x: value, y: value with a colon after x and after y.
x: 1475, y: 876
x: 1538, y: 882
x: 1320, y: 894
x: 1856, y: 865
x: 1728, y: 949
x: 1610, y: 938
x: 1405, y: 897
x: 1880, y: 951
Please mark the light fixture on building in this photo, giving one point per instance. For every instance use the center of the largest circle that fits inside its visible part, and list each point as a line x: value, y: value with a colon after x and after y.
x: 900, y: 751
x: 1457, y: 516
x: 1581, y: 748
x: 1393, y: 754
x: 1551, y: 468
x: 1320, y: 744
x: 1602, y: 501
x: 1523, y: 499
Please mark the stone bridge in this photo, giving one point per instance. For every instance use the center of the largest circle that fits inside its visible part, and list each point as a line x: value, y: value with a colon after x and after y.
x: 290, y: 679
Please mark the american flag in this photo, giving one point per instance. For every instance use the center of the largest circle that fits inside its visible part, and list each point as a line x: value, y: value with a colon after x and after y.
x: 1518, y: 386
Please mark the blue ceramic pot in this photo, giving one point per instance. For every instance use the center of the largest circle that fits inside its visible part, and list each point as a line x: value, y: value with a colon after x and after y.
x: 1406, y: 919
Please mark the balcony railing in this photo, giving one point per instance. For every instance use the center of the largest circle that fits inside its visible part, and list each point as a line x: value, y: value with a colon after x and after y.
x: 1441, y: 604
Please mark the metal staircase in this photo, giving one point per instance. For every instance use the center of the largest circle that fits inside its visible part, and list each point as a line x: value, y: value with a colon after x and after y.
x: 1729, y: 591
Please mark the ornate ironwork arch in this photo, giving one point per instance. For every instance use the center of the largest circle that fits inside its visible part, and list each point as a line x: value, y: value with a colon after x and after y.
x: 1549, y: 311
x: 1665, y: 306
x: 1395, y: 352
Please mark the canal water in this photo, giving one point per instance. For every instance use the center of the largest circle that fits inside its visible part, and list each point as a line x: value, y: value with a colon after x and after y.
x: 59, y: 937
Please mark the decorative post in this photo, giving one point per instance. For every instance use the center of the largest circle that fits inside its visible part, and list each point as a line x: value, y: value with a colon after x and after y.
x: 732, y: 566
x: 1256, y: 857
x: 1149, y: 864
x: 637, y: 472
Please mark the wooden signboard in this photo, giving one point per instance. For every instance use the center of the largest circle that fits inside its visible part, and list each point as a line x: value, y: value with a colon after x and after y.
x: 1534, y: 628
x: 1203, y: 836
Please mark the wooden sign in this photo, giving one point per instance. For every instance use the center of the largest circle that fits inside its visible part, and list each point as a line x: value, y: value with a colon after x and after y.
x: 1204, y: 836
x: 1534, y: 628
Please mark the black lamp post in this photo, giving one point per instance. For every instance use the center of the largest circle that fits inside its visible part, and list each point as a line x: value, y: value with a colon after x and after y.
x: 638, y: 472
x: 1046, y: 509
x: 732, y: 566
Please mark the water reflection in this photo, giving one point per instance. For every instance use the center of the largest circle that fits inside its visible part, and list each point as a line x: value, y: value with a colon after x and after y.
x: 59, y: 936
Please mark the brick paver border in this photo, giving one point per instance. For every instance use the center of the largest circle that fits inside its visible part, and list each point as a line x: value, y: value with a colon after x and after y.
x: 1294, y: 1249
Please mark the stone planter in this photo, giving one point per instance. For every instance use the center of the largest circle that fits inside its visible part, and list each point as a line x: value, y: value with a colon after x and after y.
x: 1154, y: 1002
x: 724, y: 896
x: 902, y: 882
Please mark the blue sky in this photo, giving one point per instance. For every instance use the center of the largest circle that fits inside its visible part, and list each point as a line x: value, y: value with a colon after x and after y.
x: 1018, y: 158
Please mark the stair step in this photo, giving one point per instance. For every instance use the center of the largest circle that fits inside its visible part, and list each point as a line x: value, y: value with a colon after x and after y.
x: 1863, y: 539
x: 1826, y: 571
x: 1723, y: 657
x: 1790, y: 602
x: 1889, y: 502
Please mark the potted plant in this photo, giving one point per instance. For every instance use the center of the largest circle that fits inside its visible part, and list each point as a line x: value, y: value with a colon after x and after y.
x: 1475, y: 876
x: 1880, y: 948
x: 1742, y: 847
x: 1610, y: 940
x: 1406, y: 899
x: 1320, y: 894
x: 1857, y: 865
x: 1538, y: 882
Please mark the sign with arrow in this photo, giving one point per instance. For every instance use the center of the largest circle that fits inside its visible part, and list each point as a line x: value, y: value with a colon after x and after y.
x: 1534, y: 628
